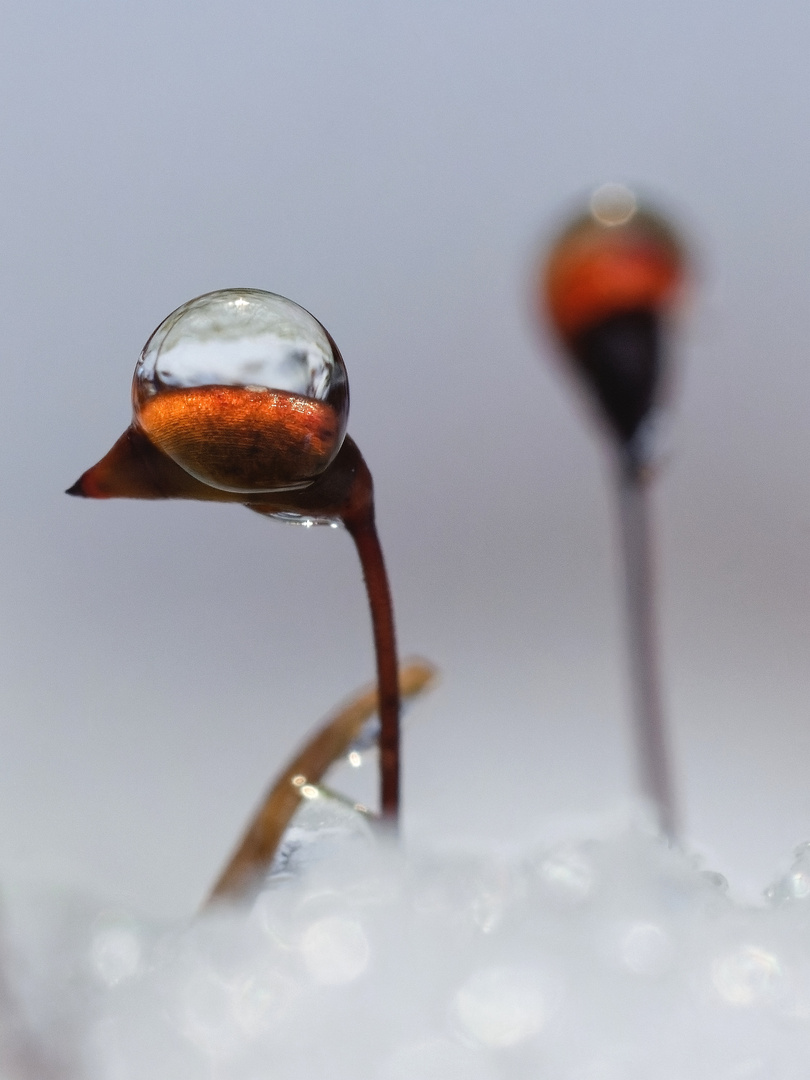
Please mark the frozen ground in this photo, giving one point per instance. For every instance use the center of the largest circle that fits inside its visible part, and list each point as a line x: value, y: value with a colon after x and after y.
x: 606, y: 959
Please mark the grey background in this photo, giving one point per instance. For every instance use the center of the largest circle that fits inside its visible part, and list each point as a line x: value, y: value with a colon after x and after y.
x: 395, y: 168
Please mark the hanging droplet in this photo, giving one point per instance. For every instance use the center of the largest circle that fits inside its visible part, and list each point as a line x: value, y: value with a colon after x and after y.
x: 245, y: 390
x: 610, y: 276
x: 321, y: 825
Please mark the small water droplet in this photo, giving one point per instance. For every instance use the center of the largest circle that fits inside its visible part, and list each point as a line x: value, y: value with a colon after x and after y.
x: 566, y: 875
x: 305, y: 520
x: 322, y: 824
x: 715, y: 879
x: 795, y: 884
x: 748, y: 976
x: 260, y: 999
x: 647, y: 950
x: 500, y: 1006
x: 613, y: 204
x: 335, y: 950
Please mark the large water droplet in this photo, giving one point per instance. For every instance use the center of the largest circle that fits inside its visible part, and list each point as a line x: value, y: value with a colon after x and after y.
x: 245, y: 390
x: 322, y: 825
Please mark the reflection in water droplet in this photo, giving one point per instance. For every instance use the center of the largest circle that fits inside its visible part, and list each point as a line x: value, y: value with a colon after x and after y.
x: 500, y: 1006
x: 613, y: 204
x: 335, y: 950
x: 245, y: 390
x: 748, y: 976
x: 305, y: 521
x: 367, y: 737
x: 320, y: 826
x: 240, y: 337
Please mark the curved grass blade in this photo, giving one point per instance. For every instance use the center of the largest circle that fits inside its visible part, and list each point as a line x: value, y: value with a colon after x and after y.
x: 330, y: 743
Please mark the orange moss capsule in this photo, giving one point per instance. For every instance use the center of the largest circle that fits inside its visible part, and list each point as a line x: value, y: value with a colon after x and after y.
x: 243, y: 440
x: 616, y: 258
x: 609, y: 278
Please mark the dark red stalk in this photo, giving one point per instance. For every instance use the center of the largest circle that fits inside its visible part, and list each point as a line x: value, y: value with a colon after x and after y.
x: 346, y: 491
x: 136, y: 468
x: 364, y: 534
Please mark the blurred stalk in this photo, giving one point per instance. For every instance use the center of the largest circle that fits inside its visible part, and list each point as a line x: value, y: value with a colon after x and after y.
x: 633, y: 491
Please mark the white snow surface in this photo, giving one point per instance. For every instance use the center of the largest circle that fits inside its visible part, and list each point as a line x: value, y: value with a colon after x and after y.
x: 617, y: 958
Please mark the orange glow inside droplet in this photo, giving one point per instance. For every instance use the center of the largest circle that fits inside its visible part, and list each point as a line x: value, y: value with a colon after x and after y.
x: 596, y: 272
x: 243, y: 439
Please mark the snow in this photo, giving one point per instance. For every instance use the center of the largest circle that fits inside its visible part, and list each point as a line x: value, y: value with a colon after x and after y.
x: 610, y: 958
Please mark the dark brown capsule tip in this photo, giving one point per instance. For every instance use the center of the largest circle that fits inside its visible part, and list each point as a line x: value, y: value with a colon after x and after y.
x: 76, y: 489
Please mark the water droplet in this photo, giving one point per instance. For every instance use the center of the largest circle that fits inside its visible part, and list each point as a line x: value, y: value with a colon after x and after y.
x: 795, y: 885
x: 367, y: 737
x: 748, y: 976
x: 715, y: 879
x: 245, y: 390
x: 335, y: 950
x: 321, y: 825
x: 206, y: 1015
x: 566, y: 875
x: 307, y: 521
x: 500, y: 1006
x: 798, y: 882
x: 613, y: 204
x: 646, y: 949
x: 259, y: 1000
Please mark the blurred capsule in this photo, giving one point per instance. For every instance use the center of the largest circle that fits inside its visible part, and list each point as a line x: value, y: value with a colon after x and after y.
x: 243, y: 389
x: 609, y: 278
